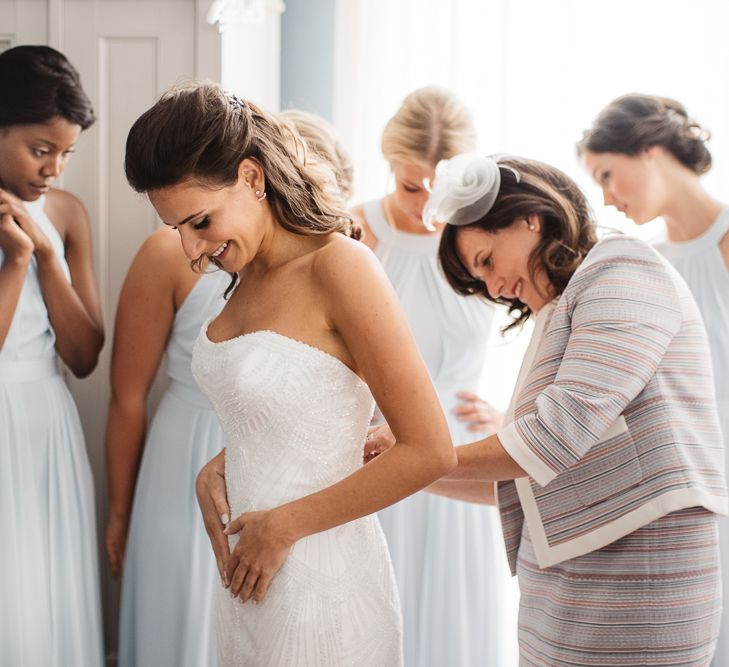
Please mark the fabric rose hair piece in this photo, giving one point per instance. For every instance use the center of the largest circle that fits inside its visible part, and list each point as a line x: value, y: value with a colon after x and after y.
x: 464, y: 190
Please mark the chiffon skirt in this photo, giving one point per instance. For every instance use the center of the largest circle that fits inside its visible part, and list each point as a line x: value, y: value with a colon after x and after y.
x: 459, y: 602
x: 50, y: 610
x: 451, y: 574
x: 170, y: 576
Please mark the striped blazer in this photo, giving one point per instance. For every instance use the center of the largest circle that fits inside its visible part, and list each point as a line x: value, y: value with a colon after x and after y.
x: 615, y: 421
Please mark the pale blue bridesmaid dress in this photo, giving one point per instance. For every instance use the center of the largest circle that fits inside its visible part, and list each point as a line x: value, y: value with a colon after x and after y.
x: 702, y: 266
x: 50, y: 607
x: 169, y: 571
x: 448, y: 555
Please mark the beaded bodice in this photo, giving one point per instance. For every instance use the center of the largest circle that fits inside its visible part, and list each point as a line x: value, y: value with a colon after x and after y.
x: 294, y: 417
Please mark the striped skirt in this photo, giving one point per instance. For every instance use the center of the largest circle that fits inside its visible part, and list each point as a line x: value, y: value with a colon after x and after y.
x: 650, y: 598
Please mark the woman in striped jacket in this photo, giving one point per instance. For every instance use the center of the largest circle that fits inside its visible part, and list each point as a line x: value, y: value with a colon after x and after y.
x: 609, y: 471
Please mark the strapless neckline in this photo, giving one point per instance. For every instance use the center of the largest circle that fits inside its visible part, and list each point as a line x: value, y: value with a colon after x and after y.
x: 295, y: 420
x: 326, y: 356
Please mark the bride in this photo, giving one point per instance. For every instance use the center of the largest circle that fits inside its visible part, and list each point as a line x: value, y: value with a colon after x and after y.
x: 312, y: 331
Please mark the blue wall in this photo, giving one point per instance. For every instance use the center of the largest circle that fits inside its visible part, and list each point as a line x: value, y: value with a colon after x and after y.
x: 307, y: 56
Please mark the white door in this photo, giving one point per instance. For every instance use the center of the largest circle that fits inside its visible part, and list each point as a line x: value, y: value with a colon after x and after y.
x: 127, y: 52
x: 23, y: 22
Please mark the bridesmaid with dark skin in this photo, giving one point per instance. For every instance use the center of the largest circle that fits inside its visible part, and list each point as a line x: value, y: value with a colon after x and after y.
x: 49, y: 311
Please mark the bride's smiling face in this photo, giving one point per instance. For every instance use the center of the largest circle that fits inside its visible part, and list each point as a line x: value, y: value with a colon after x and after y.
x: 226, y: 225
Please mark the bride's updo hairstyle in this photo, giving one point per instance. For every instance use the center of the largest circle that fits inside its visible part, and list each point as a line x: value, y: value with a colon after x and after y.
x: 431, y: 125
x: 632, y: 123
x: 199, y: 132
x: 491, y: 195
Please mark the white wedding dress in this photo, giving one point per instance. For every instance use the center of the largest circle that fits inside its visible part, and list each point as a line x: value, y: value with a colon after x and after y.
x: 295, y: 419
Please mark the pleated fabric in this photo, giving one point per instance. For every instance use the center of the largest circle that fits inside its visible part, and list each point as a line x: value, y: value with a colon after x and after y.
x: 702, y: 266
x: 170, y: 576
x: 448, y: 555
x: 50, y: 609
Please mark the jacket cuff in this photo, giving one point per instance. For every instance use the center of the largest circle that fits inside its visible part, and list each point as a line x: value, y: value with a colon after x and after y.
x: 520, y: 451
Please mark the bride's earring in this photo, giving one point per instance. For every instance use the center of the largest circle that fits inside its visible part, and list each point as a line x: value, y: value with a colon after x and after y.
x: 260, y: 196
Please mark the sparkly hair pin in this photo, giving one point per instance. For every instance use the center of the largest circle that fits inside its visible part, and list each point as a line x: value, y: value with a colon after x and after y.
x: 236, y: 101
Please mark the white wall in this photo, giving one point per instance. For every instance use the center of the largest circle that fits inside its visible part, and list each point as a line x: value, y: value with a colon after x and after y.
x: 251, y: 52
x: 307, y: 56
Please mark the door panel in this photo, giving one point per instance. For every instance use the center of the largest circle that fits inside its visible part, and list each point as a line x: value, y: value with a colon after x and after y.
x: 23, y: 22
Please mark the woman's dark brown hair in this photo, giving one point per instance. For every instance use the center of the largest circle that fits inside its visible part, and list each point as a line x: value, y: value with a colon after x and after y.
x: 199, y: 132
x: 567, y: 229
x: 38, y: 84
x: 632, y: 123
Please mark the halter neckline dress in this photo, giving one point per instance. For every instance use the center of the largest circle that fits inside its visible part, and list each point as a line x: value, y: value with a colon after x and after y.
x: 702, y: 266
x: 447, y: 554
x: 50, y: 606
x: 170, y: 577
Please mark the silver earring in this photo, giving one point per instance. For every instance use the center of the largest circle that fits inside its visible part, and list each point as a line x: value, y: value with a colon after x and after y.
x: 259, y: 196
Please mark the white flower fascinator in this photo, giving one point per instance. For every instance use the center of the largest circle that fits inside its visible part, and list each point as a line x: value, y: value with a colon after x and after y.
x: 464, y: 190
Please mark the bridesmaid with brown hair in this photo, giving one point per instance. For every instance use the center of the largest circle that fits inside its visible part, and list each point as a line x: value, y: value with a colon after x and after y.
x: 648, y: 155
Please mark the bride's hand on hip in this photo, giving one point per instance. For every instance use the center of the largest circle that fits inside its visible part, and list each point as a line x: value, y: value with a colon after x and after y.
x: 213, y: 500
x: 264, y: 544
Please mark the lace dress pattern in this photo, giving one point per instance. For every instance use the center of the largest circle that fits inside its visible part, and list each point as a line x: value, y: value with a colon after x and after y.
x: 295, y: 419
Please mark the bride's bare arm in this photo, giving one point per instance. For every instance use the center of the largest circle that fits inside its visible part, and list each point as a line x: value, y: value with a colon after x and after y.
x: 363, y: 308
x: 380, y: 439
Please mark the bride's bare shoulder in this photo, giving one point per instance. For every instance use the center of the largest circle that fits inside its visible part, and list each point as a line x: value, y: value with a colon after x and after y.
x: 344, y: 258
